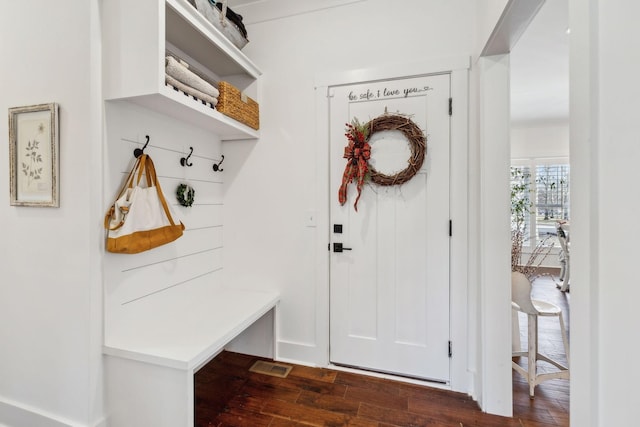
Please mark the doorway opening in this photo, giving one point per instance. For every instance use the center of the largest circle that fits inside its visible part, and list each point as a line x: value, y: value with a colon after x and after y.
x: 540, y: 159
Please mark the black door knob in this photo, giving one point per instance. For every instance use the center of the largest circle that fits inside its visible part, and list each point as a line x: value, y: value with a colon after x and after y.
x: 337, y: 247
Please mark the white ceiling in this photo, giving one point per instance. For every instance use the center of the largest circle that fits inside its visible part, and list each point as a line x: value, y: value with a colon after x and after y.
x: 539, y: 61
x: 540, y: 68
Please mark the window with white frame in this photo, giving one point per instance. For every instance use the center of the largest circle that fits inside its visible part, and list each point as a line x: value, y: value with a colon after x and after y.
x: 543, y: 185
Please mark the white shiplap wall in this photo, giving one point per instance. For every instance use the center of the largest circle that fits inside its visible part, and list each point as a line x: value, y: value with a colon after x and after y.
x: 195, y: 259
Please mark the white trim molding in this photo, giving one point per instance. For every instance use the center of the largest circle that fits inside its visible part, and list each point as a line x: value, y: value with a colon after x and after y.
x: 435, y: 65
x: 495, y: 237
x: 513, y: 22
x: 17, y: 414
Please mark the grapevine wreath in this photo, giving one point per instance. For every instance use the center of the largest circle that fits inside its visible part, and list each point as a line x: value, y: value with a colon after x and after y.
x: 185, y: 194
x: 358, y: 152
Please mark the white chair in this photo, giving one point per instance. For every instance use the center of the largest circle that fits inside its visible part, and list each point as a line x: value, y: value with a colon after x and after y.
x: 521, y: 301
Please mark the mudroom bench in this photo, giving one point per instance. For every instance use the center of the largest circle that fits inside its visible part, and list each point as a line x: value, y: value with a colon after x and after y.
x: 158, y: 343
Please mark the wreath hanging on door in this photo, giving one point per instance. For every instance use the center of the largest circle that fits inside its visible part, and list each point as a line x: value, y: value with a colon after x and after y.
x: 358, y: 152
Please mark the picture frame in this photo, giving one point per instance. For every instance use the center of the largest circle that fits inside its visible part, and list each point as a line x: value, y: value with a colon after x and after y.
x: 34, y: 164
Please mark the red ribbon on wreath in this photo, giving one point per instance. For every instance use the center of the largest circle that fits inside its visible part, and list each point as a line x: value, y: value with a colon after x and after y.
x: 357, y: 153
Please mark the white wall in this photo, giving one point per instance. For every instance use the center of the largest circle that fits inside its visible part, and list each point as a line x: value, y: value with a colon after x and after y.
x: 50, y: 291
x: 605, y: 99
x: 540, y: 141
x: 272, y: 184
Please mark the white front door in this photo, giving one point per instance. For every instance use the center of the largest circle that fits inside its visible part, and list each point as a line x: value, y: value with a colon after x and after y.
x: 390, y: 291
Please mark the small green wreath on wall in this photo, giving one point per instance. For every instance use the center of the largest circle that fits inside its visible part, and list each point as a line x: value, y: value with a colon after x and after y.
x: 185, y: 195
x: 358, y: 153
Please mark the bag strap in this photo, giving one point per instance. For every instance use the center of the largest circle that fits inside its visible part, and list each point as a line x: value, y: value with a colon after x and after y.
x: 151, y: 175
x: 144, y: 160
x: 107, y: 220
x: 139, y: 166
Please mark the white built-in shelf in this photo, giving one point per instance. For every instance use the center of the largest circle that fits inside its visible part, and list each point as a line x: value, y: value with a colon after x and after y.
x: 192, y: 33
x: 136, y: 36
x: 176, y: 104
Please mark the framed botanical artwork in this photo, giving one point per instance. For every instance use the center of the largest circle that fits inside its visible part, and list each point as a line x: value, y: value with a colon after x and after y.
x: 33, y: 155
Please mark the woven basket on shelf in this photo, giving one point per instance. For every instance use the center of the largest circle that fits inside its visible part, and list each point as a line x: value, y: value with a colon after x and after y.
x: 238, y: 106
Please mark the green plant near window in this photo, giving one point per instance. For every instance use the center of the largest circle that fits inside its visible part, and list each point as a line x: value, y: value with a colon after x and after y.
x: 520, y: 211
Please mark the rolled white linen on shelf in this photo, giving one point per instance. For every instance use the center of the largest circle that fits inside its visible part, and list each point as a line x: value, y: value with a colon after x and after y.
x: 191, y: 91
x: 181, y: 73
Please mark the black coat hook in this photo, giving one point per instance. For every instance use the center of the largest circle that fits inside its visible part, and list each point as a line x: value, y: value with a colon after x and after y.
x: 216, y: 166
x: 185, y: 160
x: 140, y: 151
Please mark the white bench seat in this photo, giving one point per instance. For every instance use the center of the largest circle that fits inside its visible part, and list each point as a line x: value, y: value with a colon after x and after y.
x: 154, y: 346
x: 172, y: 331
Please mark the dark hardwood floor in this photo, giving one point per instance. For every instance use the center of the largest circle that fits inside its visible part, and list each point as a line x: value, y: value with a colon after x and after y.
x: 228, y: 394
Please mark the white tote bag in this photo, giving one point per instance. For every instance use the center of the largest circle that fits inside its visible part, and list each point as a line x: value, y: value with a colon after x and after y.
x: 140, y: 219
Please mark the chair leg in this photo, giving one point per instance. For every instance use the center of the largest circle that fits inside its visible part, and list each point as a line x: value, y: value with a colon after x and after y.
x: 565, y: 340
x: 562, y: 269
x: 516, y: 344
x: 533, y: 352
x: 566, y: 274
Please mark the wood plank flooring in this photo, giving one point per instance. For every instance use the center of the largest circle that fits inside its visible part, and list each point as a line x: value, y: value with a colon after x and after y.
x: 229, y: 395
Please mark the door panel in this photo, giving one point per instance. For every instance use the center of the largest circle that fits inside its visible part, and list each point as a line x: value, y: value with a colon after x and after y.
x: 390, y: 292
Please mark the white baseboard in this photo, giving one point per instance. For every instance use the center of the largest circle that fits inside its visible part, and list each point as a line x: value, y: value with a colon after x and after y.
x: 301, y: 353
x: 14, y: 414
